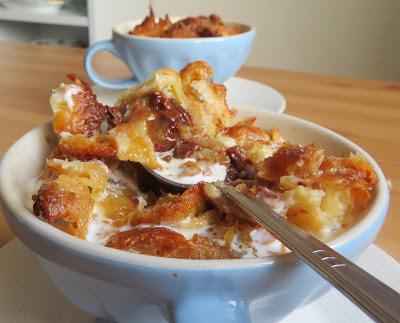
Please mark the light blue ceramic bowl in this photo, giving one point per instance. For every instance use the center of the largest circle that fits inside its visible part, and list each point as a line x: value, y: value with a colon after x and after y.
x: 127, y: 287
x: 143, y: 55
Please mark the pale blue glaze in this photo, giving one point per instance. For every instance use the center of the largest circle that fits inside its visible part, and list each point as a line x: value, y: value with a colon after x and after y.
x: 124, y: 291
x: 145, y: 55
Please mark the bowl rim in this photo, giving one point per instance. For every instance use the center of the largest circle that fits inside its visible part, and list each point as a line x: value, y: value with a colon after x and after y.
x: 118, y: 30
x: 17, y: 210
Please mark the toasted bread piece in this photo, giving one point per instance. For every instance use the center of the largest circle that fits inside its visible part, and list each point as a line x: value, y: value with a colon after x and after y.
x: 172, y: 207
x: 67, y: 196
x: 163, y: 242
x: 323, y: 193
x: 190, y: 27
x: 206, y: 100
x: 79, y: 147
x: 77, y: 111
x: 169, y: 111
x: 292, y: 159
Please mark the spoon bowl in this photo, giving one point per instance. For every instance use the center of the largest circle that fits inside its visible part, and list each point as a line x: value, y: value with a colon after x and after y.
x: 176, y: 186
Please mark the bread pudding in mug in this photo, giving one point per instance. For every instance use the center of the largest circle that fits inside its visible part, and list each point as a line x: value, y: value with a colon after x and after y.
x: 190, y: 27
x: 93, y: 185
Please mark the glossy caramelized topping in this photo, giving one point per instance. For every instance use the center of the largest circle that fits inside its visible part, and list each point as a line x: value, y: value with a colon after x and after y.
x: 69, y: 193
x: 163, y: 242
x: 178, y: 123
x: 191, y: 27
x: 77, y: 111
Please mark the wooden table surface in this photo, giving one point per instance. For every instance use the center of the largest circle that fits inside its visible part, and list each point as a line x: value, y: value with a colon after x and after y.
x: 367, y: 112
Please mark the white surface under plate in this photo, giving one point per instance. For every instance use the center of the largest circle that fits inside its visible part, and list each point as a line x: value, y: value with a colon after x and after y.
x: 27, y: 295
x: 240, y: 93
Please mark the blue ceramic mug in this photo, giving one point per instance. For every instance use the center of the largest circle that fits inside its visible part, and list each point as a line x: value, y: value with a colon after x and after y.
x: 144, y: 55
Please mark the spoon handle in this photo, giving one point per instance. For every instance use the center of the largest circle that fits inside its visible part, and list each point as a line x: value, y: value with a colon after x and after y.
x: 378, y: 300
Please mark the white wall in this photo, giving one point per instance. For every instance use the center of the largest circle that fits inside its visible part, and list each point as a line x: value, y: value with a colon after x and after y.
x: 358, y: 38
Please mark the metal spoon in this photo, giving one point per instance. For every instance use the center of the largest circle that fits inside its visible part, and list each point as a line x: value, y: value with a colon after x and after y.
x: 166, y: 181
x: 376, y: 299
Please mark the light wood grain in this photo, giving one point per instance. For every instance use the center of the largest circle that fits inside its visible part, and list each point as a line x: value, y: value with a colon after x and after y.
x: 367, y: 112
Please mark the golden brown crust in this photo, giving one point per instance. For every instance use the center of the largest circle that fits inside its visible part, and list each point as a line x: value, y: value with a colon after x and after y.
x: 149, y: 27
x: 352, y: 172
x: 118, y: 205
x: 65, y: 199
x: 68, y: 194
x: 206, y: 101
x: 81, y: 113
x: 165, y: 117
x: 245, y: 132
x: 314, y: 169
x: 321, y: 191
x: 172, y: 207
x: 190, y: 27
x: 163, y: 242
x: 292, y: 159
x: 132, y: 139
x: 169, y: 111
x: 93, y: 174
x: 84, y: 149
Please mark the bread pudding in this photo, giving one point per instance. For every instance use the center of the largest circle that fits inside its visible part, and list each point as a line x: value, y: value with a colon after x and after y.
x: 190, y: 27
x: 94, y: 186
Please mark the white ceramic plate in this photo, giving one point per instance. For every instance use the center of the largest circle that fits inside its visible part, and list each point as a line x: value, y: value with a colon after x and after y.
x: 333, y: 307
x: 21, y: 277
x: 241, y: 93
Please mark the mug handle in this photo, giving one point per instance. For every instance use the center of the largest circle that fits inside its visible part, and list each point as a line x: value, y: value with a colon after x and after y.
x: 108, y: 46
x: 209, y: 308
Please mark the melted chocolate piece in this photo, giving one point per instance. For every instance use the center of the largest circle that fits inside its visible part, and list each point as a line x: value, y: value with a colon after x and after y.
x: 240, y: 167
x: 169, y: 115
x: 185, y: 149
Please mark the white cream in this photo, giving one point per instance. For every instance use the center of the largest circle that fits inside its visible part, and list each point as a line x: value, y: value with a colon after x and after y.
x: 64, y: 96
x: 262, y: 244
x: 225, y: 140
x: 120, y: 177
x: 174, y: 170
x: 65, y: 93
x: 70, y: 91
x: 265, y: 244
x: 64, y: 134
x: 100, y: 229
x: 187, y: 232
